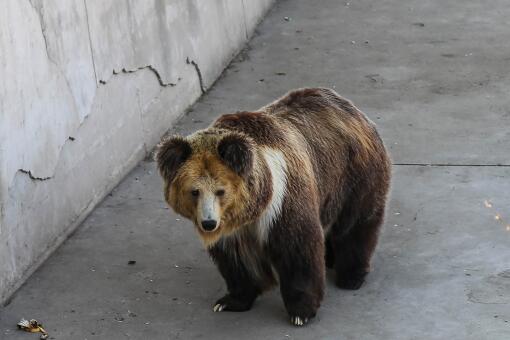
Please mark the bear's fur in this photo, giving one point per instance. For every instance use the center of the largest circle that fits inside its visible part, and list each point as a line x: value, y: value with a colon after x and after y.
x: 280, y: 193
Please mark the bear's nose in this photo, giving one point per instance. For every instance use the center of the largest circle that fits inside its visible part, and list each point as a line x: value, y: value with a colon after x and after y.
x: 209, y: 225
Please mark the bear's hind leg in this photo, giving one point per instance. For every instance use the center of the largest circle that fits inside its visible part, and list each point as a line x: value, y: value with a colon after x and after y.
x: 353, y: 246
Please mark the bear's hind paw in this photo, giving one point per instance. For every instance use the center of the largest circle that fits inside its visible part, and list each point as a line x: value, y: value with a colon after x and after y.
x: 350, y: 284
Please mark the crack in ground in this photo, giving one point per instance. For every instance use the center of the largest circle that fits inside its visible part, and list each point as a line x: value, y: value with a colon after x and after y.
x: 32, y: 177
x: 452, y: 165
x: 199, y: 73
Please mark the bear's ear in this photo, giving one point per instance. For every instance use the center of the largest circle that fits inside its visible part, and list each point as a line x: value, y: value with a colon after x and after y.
x: 171, y: 153
x: 237, y: 152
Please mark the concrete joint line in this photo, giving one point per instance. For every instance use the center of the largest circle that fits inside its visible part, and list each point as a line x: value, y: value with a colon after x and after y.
x: 449, y: 164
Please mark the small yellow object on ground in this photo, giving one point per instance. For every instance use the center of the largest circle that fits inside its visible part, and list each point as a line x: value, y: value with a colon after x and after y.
x: 32, y: 326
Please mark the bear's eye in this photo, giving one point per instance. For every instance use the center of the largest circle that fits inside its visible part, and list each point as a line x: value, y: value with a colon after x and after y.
x: 195, y: 192
x: 220, y: 192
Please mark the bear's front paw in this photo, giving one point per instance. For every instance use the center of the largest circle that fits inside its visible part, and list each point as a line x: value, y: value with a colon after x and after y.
x: 219, y: 307
x: 298, y: 321
x: 232, y: 304
x: 302, y: 309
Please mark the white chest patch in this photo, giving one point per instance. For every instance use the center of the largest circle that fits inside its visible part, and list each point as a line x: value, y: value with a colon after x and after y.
x: 278, y: 168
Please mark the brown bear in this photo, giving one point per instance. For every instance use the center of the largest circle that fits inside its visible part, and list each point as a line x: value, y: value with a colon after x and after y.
x: 278, y: 194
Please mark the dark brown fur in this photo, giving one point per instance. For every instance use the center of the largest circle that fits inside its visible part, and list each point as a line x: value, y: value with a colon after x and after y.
x: 338, y: 177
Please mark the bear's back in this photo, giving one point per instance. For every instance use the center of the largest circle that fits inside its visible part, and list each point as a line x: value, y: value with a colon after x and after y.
x: 319, y: 130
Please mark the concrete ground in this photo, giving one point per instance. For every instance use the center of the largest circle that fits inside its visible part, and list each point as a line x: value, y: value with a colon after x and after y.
x: 434, y: 76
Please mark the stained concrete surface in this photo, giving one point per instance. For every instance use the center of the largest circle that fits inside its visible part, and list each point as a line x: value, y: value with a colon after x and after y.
x: 433, y: 76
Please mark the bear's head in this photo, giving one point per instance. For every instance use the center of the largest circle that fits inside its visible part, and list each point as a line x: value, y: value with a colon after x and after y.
x: 206, y: 177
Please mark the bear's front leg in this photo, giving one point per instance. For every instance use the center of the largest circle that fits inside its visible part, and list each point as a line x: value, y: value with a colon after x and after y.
x: 297, y: 253
x: 242, y: 289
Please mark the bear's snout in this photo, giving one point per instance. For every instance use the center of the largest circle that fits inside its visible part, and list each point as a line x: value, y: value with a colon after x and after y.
x: 209, y: 225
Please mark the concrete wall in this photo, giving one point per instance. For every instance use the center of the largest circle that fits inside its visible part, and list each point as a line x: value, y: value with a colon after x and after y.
x: 87, y: 89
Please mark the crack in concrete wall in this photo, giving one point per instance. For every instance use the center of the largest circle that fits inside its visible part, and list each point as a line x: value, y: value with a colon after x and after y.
x: 90, y: 39
x: 32, y: 177
x: 162, y: 85
x: 199, y: 74
x: 244, y: 20
x: 149, y: 67
x: 38, y: 8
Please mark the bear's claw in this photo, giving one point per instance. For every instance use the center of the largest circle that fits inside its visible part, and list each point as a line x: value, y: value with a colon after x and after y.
x: 219, y: 307
x: 298, y: 321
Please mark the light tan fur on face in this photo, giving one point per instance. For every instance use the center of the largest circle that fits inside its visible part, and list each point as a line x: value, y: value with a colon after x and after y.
x: 205, y: 171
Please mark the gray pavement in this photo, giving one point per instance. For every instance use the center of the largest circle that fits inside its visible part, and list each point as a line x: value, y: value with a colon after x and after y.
x: 434, y: 76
